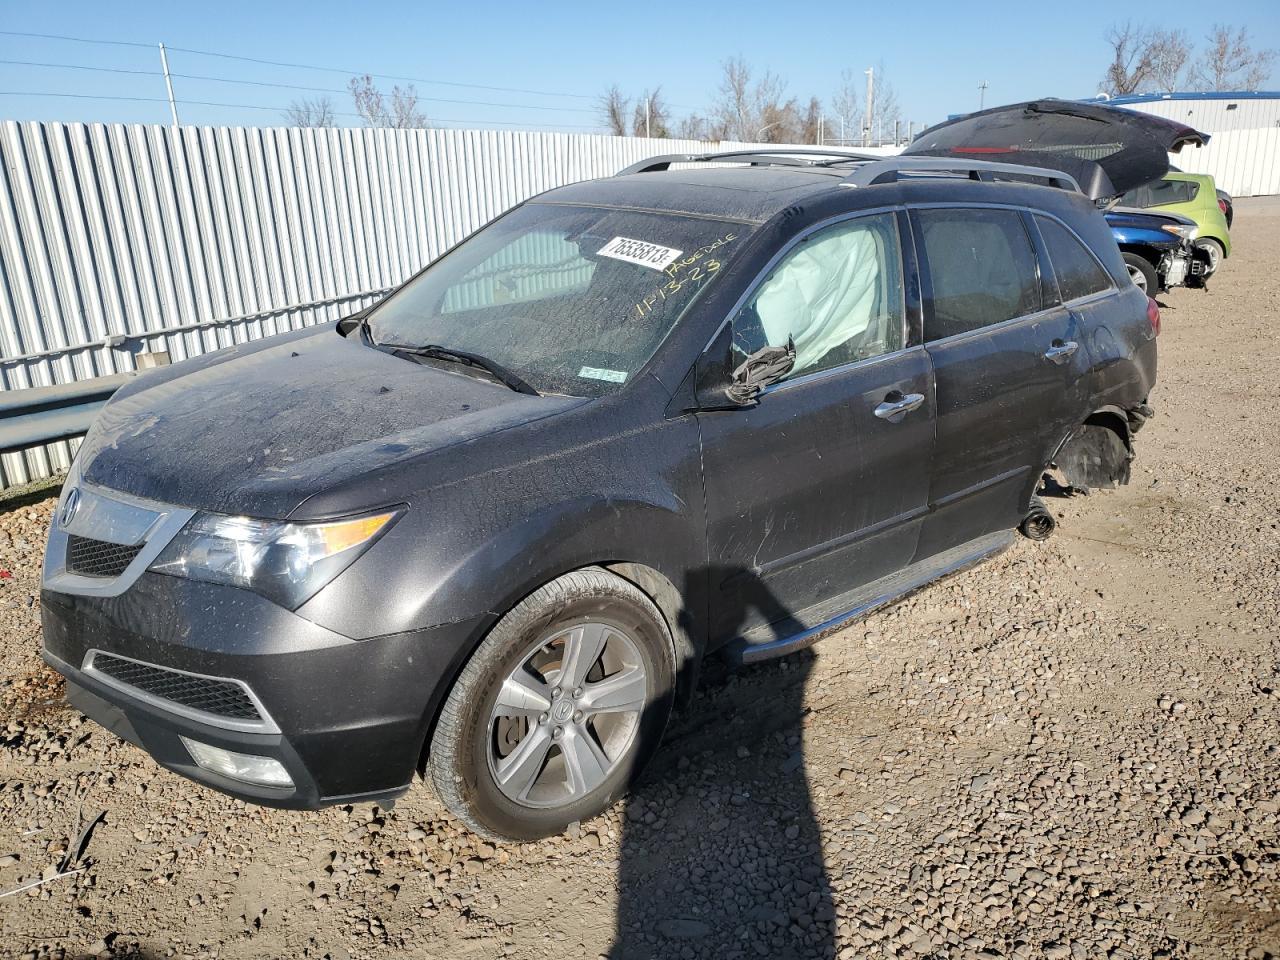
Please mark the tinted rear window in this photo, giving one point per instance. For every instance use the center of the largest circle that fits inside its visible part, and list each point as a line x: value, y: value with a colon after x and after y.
x: 1079, y: 273
x: 1161, y: 193
x: 983, y: 269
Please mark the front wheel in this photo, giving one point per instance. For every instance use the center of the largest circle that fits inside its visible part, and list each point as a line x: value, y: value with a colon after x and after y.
x: 1142, y: 273
x: 557, y: 710
x: 1213, y: 249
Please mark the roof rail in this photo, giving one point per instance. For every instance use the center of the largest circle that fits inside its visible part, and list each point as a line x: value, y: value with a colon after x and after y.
x: 892, y: 169
x: 872, y: 169
x: 795, y: 157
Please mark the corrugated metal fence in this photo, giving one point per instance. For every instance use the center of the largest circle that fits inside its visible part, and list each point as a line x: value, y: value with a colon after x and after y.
x: 1245, y: 163
x: 117, y: 240
x: 1243, y: 155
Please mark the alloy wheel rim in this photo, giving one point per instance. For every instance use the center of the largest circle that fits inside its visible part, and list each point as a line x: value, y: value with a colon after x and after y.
x: 1138, y: 277
x: 1214, y: 255
x: 567, y: 715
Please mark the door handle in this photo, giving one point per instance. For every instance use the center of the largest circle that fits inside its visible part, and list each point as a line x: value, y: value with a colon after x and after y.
x: 1061, y: 350
x: 895, y: 410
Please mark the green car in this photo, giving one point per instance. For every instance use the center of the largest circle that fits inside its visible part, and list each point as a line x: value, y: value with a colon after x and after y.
x: 1192, y: 195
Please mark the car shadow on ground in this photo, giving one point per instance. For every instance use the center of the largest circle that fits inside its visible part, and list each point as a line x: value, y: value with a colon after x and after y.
x: 721, y: 854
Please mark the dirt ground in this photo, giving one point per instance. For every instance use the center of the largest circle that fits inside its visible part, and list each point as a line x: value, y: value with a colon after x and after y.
x: 1070, y: 752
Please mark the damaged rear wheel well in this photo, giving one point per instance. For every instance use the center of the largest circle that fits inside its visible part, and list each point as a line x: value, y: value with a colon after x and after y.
x: 1098, y: 452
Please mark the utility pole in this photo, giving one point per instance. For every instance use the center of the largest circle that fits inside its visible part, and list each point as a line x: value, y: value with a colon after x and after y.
x: 897, y: 139
x: 982, y: 94
x: 647, y: 101
x: 871, y: 100
x: 164, y: 65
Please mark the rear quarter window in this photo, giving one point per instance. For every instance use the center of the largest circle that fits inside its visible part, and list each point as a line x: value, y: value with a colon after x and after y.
x: 1078, y: 271
x: 1163, y: 192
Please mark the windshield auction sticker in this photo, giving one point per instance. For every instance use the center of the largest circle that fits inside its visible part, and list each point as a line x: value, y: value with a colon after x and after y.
x: 599, y: 373
x: 639, y: 252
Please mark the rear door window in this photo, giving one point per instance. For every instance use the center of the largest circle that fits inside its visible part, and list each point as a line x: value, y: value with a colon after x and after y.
x: 1078, y: 271
x: 982, y: 266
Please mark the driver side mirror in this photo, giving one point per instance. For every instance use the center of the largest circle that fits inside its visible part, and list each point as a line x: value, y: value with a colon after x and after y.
x: 723, y: 384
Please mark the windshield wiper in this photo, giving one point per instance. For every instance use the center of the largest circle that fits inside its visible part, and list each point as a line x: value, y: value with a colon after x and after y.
x: 434, y: 351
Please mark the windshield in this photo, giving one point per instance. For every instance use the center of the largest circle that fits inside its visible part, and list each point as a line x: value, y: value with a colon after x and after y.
x: 574, y: 300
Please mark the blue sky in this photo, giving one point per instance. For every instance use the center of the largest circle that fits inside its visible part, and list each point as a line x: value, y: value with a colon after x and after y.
x: 934, y: 54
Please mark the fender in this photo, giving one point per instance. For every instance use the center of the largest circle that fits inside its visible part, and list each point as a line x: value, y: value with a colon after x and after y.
x: 664, y: 554
x: 1099, y: 451
x: 501, y: 572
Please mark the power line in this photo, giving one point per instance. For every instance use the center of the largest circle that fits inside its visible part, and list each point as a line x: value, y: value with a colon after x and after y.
x: 59, y: 36
x: 252, y: 106
x: 379, y: 76
x: 302, y: 66
x: 325, y: 69
x: 81, y: 66
x: 293, y: 86
x: 284, y: 86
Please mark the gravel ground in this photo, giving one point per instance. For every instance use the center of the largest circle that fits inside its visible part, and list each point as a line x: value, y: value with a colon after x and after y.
x: 1070, y: 752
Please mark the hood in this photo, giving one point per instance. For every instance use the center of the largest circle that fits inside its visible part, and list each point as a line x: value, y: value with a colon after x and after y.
x: 1106, y: 149
x: 258, y: 429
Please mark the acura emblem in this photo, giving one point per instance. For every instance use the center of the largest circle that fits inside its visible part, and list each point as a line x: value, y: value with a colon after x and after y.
x: 70, y: 506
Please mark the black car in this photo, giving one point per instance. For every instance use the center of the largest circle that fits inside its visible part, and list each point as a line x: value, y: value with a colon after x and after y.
x: 487, y: 530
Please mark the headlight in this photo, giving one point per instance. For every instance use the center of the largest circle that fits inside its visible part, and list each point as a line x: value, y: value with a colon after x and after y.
x: 285, y: 562
x: 1184, y: 230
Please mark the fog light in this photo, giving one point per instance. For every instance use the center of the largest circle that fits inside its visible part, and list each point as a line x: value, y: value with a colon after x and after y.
x: 239, y: 766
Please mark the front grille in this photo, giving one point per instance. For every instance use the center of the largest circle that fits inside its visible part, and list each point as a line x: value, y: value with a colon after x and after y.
x: 98, y: 558
x: 221, y: 697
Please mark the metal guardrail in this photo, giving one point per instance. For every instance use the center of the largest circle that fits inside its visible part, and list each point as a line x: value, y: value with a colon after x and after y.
x: 39, y: 415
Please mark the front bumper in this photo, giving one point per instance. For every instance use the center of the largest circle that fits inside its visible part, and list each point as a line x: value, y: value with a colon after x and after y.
x: 346, y: 718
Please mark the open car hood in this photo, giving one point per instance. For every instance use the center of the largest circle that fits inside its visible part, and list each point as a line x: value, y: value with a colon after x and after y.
x: 1107, y: 150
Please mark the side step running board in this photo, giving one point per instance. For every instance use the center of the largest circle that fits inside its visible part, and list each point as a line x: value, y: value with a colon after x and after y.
x: 761, y: 644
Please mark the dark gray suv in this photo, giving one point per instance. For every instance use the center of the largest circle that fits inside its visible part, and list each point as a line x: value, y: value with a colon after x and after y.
x: 487, y: 530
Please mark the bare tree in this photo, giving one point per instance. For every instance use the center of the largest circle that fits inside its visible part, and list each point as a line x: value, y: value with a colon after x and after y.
x: 811, y: 122
x: 780, y: 120
x: 652, y: 119
x: 885, y: 111
x: 1132, y: 59
x: 1170, y: 52
x: 754, y: 109
x: 696, y: 127
x: 310, y: 113
x: 846, y: 106
x: 734, y: 109
x: 401, y: 113
x: 692, y: 127
x: 1231, y: 62
x: 404, y: 108
x: 613, y: 111
x: 777, y: 122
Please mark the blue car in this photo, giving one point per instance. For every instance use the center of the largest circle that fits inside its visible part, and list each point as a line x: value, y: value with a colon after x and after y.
x: 1158, y: 249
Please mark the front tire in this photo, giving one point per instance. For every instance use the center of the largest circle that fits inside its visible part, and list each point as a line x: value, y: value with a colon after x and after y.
x: 1142, y: 273
x: 556, y: 712
x: 1215, y: 252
